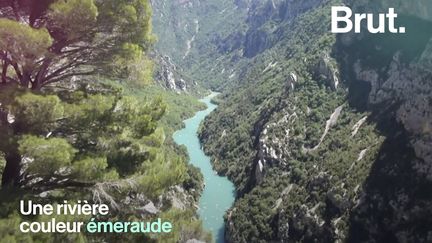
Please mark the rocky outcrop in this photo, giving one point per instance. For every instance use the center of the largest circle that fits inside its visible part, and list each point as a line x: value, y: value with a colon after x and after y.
x: 169, y: 76
x: 327, y: 71
x: 357, y: 126
x: 331, y: 122
x: 292, y: 81
x: 178, y: 198
x: 150, y: 208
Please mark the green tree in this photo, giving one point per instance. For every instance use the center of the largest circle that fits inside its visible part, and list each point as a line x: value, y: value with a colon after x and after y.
x: 88, y: 140
x: 77, y: 138
x: 48, y: 41
x: 94, y: 142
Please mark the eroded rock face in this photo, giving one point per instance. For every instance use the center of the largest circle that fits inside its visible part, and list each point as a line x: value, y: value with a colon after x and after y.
x: 169, y: 76
x: 327, y: 70
x: 178, y: 198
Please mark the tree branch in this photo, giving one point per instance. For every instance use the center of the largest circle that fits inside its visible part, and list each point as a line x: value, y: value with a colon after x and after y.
x: 74, y: 63
x: 41, y: 74
x: 67, y: 76
x: 17, y: 71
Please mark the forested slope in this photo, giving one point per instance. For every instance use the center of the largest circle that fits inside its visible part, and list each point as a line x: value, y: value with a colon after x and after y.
x: 326, y: 137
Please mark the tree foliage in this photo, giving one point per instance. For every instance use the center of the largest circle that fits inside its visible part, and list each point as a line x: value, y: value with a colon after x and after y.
x: 44, y: 42
x: 94, y: 142
x: 87, y: 139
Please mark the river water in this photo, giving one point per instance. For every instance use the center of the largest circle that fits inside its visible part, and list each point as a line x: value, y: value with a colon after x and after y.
x: 219, y: 192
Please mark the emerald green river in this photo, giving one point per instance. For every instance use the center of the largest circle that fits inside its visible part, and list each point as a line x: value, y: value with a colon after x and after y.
x: 219, y: 192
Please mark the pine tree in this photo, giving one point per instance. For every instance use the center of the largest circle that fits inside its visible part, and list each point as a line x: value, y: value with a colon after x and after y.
x: 44, y: 42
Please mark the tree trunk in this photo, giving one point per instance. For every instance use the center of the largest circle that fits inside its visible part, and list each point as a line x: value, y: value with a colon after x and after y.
x: 11, y: 173
x: 26, y: 79
x: 38, y: 81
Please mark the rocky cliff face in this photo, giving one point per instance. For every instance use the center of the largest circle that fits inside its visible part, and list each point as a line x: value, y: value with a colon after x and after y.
x: 265, y: 24
x: 169, y: 76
